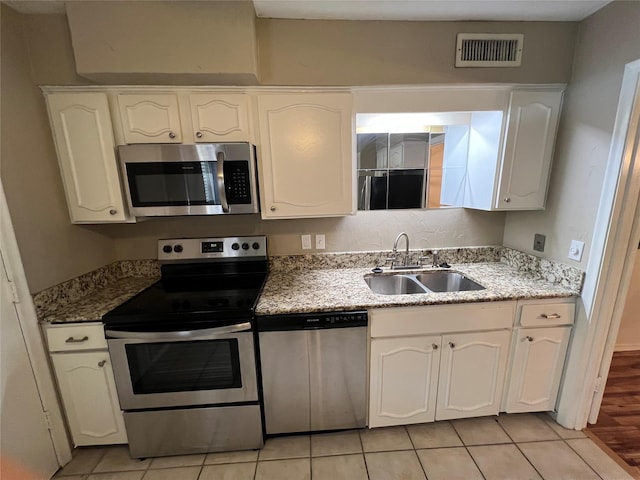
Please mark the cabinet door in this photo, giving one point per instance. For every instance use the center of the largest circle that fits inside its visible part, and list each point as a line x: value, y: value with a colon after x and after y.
x: 89, y: 396
x: 403, y: 380
x: 150, y: 118
x: 220, y: 118
x: 306, y: 155
x: 83, y: 135
x: 536, y: 368
x: 472, y: 371
x: 528, y: 149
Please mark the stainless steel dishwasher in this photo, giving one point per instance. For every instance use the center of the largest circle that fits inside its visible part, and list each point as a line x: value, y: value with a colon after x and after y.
x: 314, y: 371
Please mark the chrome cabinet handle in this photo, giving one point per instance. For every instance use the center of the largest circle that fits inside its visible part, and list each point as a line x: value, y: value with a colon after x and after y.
x: 434, y: 346
x: 507, y: 200
x: 199, y: 134
x: 113, y: 211
x: 101, y: 363
x: 172, y: 135
x: 452, y: 345
x: 529, y: 338
x: 76, y: 340
x: 552, y: 316
x: 220, y: 179
x: 273, y: 209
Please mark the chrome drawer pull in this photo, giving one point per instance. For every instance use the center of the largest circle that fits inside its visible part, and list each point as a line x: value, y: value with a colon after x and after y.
x: 550, y: 317
x: 76, y: 340
x: 529, y: 338
x: 101, y: 363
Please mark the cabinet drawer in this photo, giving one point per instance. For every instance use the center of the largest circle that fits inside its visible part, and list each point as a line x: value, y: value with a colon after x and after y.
x: 546, y: 314
x: 437, y: 319
x: 76, y: 337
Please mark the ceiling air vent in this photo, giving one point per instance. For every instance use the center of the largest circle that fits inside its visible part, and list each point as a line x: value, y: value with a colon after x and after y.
x: 489, y: 49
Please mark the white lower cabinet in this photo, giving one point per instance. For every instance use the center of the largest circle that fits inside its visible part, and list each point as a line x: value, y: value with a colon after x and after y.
x: 418, y: 374
x: 472, y: 370
x: 442, y: 362
x: 86, y: 383
x: 404, y: 380
x: 536, y: 368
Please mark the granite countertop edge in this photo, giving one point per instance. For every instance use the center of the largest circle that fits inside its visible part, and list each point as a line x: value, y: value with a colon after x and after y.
x: 330, y: 289
x: 344, y: 289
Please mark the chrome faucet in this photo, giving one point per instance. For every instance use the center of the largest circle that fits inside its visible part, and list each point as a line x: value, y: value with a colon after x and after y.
x: 394, y: 256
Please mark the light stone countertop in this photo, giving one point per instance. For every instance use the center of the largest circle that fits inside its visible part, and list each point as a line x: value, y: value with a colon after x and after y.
x: 93, y: 306
x: 343, y: 289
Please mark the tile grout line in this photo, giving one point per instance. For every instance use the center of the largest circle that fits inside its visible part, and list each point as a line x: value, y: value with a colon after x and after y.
x: 415, y: 452
x: 582, y: 458
x: 364, y: 457
x: 521, y: 452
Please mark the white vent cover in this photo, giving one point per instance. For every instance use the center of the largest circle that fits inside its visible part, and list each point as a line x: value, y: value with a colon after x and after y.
x: 489, y: 49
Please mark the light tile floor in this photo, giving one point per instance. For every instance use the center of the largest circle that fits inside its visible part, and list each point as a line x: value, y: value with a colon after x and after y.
x: 513, y: 447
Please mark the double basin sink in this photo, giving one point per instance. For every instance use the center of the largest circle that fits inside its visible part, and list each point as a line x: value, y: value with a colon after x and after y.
x: 427, y: 282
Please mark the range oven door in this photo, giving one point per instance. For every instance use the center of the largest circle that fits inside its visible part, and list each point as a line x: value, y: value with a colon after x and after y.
x: 183, y: 368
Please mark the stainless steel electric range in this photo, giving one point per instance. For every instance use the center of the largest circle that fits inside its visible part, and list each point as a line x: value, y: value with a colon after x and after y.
x: 183, y: 350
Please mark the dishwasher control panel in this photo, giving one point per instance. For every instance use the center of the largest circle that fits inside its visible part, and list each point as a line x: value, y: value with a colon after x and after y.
x: 311, y: 321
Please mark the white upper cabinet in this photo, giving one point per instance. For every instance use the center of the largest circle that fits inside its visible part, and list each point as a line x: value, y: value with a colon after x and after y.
x: 528, y: 148
x: 220, y: 118
x: 306, y: 155
x: 150, y: 118
x: 83, y: 135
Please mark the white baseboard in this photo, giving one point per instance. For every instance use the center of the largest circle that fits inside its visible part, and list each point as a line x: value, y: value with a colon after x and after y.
x: 627, y: 347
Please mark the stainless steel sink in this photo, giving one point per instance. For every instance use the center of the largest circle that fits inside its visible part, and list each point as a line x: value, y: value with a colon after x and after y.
x: 428, y: 282
x: 446, y: 281
x: 393, y: 284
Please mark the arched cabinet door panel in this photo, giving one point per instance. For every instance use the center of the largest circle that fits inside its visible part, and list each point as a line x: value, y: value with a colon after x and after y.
x: 536, y: 369
x: 83, y: 135
x: 472, y: 370
x: 403, y: 380
x: 150, y: 118
x: 220, y: 118
x: 306, y: 155
x: 528, y: 149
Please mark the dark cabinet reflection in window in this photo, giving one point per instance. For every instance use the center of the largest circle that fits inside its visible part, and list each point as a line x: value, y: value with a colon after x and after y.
x: 394, y: 171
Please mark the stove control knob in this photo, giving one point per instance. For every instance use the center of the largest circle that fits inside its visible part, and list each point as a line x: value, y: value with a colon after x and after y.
x: 235, y: 246
x: 255, y: 245
x: 245, y: 246
x: 177, y: 248
x: 167, y: 249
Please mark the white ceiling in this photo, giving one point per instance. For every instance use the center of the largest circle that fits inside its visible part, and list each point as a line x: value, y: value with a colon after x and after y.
x: 418, y: 10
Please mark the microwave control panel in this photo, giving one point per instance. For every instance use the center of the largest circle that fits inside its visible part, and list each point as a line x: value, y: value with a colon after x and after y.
x: 237, y: 182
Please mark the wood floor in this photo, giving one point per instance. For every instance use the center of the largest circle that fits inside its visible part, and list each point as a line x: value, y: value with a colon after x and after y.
x: 618, y: 425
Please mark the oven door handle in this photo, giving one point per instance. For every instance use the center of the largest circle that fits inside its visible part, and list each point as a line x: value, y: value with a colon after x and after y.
x: 178, y: 335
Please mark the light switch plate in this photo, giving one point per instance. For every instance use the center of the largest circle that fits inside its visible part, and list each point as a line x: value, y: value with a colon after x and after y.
x: 575, y: 250
x: 306, y: 242
x: 320, y: 244
x: 538, y: 242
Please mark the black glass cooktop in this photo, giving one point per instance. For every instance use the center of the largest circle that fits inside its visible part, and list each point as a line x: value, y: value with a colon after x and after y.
x: 191, y: 296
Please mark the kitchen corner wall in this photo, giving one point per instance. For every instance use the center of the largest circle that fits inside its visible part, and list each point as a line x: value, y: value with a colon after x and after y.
x: 52, y: 249
x: 607, y: 40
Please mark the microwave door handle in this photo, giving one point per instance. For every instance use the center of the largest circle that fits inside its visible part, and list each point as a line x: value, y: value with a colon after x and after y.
x: 178, y: 335
x: 220, y: 179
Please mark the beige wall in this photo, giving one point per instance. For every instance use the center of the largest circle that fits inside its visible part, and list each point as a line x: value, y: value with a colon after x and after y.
x: 629, y: 333
x: 52, y: 249
x: 606, y: 42
x: 362, y: 232
x: 317, y: 52
x: 151, y: 42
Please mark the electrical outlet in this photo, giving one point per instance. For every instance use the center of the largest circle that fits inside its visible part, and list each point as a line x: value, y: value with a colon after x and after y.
x: 575, y: 250
x: 320, y: 244
x: 538, y: 242
x: 306, y: 242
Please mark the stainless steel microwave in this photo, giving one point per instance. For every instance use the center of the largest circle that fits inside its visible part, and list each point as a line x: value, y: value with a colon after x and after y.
x: 200, y: 179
